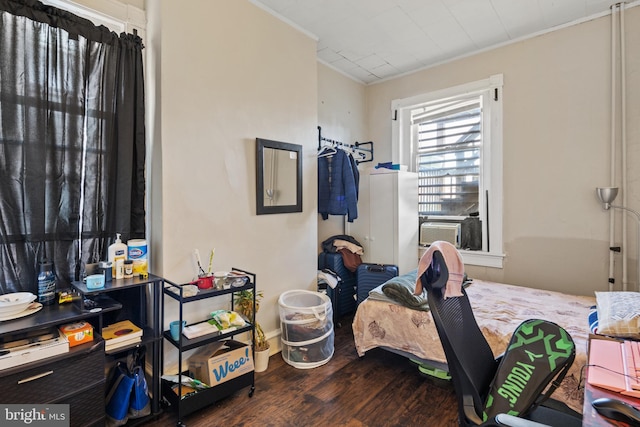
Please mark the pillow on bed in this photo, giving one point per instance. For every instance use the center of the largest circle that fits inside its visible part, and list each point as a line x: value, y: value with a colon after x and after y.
x: 619, y: 314
x: 400, y: 289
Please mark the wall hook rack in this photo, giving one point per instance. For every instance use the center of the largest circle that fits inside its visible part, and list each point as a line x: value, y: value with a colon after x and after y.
x: 363, y: 149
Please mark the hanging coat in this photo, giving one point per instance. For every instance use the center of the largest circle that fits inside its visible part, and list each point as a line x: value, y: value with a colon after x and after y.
x: 356, y: 174
x: 337, y: 191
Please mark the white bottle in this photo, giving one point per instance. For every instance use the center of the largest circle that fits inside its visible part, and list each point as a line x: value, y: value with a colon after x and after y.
x: 120, y: 269
x: 117, y: 251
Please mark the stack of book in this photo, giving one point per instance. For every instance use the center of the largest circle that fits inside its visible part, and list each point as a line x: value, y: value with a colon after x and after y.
x: 121, y: 334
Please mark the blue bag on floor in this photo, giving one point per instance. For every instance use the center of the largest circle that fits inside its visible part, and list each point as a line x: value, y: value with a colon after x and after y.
x: 140, y: 404
x: 119, y: 396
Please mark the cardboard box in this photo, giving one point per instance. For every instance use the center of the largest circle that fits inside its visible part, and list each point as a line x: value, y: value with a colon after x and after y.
x: 78, y: 333
x: 221, y: 361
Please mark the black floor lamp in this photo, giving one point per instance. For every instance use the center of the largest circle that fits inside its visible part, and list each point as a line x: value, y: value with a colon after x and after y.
x: 607, y: 195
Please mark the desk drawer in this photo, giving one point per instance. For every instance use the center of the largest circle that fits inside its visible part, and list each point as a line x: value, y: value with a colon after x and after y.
x: 87, y: 406
x: 51, y: 382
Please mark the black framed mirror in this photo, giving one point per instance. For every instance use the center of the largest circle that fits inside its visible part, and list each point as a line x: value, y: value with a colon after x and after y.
x: 278, y: 177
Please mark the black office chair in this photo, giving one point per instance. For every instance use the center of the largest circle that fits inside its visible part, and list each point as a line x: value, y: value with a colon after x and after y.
x: 470, y: 360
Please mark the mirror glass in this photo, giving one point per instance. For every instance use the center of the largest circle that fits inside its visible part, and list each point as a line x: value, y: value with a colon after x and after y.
x: 278, y: 177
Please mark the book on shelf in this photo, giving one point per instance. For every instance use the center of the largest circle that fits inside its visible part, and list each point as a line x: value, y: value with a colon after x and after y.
x: 119, y: 332
x: 109, y: 346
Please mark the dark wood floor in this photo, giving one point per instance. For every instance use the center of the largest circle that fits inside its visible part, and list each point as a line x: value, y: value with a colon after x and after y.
x: 380, y: 389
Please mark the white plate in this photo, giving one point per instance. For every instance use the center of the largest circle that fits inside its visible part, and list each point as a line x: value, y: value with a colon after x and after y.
x: 15, y: 303
x: 34, y: 307
x: 9, y: 300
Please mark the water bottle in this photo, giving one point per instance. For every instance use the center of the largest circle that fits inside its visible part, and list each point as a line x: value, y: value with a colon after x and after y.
x: 46, y: 283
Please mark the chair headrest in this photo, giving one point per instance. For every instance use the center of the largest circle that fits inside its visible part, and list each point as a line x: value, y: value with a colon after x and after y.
x: 447, y: 265
x: 437, y: 273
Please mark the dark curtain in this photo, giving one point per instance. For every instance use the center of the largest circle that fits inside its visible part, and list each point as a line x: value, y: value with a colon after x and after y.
x: 72, y: 142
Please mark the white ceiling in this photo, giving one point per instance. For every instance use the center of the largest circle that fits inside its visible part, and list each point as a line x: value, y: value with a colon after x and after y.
x: 372, y: 40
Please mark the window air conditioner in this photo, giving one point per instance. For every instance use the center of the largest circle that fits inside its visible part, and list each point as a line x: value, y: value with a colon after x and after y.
x: 432, y: 231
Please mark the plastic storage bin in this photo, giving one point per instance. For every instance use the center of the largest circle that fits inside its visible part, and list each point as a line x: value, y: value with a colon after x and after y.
x: 306, y: 322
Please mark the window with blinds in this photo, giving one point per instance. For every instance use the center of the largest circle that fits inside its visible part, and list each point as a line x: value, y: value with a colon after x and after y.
x: 452, y: 138
x: 448, y: 143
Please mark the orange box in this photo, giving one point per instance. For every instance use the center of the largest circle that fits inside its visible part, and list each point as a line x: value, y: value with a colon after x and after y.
x: 78, y: 332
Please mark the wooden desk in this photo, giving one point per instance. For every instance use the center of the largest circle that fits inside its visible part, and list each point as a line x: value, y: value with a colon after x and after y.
x: 590, y: 418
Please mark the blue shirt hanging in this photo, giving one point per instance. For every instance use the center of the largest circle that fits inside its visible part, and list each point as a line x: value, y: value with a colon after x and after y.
x: 337, y: 187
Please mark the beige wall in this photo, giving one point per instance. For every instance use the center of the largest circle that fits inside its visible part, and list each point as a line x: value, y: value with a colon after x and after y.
x: 226, y: 73
x: 556, y: 149
x: 342, y: 116
x: 241, y: 80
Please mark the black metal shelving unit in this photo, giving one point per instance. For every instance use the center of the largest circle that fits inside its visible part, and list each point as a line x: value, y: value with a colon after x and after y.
x: 195, y: 401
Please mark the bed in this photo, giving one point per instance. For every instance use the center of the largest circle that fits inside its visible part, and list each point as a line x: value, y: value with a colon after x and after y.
x: 498, y: 308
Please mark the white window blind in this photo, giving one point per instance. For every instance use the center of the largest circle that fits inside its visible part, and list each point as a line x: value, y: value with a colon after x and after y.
x: 449, y: 142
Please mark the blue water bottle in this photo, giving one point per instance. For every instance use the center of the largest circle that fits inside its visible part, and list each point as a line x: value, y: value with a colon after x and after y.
x: 46, y: 283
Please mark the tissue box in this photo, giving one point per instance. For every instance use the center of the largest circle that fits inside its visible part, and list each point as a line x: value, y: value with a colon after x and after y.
x: 77, y: 333
x: 221, y: 361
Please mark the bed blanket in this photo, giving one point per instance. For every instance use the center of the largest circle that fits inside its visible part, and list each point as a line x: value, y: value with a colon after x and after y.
x: 498, y: 308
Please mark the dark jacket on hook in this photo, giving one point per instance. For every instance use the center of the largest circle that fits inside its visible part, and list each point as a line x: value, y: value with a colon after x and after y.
x: 337, y: 191
x: 356, y: 174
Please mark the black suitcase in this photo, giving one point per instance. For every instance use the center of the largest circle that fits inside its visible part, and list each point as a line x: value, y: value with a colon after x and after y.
x: 342, y: 296
x: 370, y: 276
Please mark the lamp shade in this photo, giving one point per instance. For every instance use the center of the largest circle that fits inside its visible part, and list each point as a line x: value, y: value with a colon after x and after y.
x: 607, y: 194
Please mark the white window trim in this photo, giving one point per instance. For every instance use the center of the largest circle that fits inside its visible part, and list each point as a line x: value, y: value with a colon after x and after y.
x: 491, y: 163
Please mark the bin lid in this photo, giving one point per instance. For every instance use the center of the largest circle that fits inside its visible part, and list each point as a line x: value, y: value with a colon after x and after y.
x: 301, y: 298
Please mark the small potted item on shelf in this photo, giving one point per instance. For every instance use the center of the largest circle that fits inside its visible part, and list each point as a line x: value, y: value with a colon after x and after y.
x: 204, y: 282
x: 205, y: 278
x: 244, y: 305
